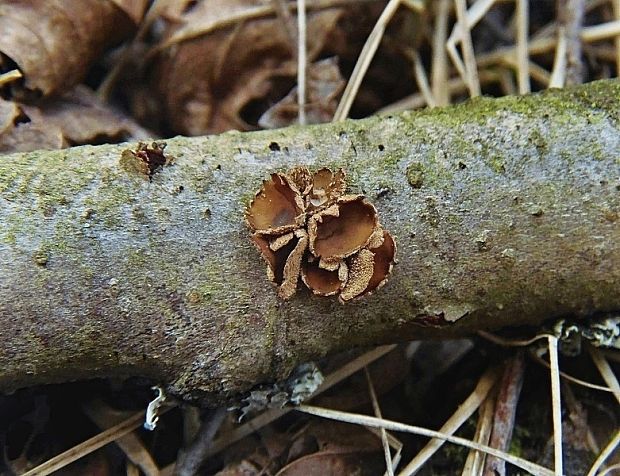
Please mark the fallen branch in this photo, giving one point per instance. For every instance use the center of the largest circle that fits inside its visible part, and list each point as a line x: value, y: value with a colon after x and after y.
x: 505, y: 212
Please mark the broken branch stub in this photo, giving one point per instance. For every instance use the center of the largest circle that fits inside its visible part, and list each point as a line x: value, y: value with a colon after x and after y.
x: 304, y: 225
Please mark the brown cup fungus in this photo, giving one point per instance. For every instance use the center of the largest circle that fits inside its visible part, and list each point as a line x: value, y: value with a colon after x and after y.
x: 304, y: 225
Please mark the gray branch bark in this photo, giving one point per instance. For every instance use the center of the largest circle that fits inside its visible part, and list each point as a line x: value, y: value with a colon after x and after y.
x: 505, y: 212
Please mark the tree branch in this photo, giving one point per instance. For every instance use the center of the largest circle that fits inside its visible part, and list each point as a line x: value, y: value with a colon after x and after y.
x: 505, y: 212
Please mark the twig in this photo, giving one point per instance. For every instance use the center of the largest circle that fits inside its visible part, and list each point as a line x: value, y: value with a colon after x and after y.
x: 464, y: 411
x: 366, y: 420
x: 505, y: 411
x: 556, y: 405
x: 193, y: 457
x: 363, y: 62
x: 570, y: 18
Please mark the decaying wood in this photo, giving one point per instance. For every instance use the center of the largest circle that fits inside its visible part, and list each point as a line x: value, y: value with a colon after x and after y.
x: 505, y: 211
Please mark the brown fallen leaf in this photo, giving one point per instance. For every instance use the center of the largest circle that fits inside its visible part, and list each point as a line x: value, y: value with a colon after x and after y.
x: 53, y: 42
x: 338, y: 451
x: 75, y: 118
x: 325, y: 83
x: 8, y: 114
x: 218, y: 63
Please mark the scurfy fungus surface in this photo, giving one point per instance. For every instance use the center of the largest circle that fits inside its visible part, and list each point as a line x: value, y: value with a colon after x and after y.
x: 304, y: 225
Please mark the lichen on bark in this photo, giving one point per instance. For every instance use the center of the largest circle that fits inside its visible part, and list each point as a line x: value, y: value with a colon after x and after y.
x: 505, y: 211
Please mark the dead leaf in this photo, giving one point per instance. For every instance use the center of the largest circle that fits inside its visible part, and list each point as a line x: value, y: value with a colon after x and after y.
x: 340, y: 451
x: 241, y: 468
x: 219, y: 62
x: 325, y: 463
x: 8, y: 113
x: 75, y: 118
x: 53, y: 42
x: 324, y: 86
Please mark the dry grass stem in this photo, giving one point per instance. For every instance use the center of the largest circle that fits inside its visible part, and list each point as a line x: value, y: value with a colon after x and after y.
x: 131, y: 444
x: 536, y: 72
x: 439, y: 74
x: 363, y: 61
x: 543, y: 45
x: 570, y: 378
x: 88, y: 446
x: 611, y: 470
x: 10, y: 76
x: 422, y: 80
x: 616, y: 9
x: 454, y: 86
x: 556, y: 405
x: 471, y: 18
x: 271, y: 415
x: 604, y: 454
x: 462, y: 413
x: 365, y: 420
x: 522, y: 54
x: 394, y: 443
x: 511, y: 342
x: 474, y: 465
x: 249, y: 13
x: 605, y: 370
x: 469, y: 56
x: 558, y: 75
x: 301, y: 60
x: 377, y: 410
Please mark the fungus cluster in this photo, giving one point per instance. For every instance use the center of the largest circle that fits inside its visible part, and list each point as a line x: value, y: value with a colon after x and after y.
x: 305, y: 226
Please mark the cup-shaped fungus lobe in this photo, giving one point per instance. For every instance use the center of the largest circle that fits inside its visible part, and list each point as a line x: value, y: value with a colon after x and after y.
x: 304, y: 226
x: 277, y: 208
x: 283, y: 258
x: 384, y: 259
x: 370, y: 268
x: 320, y: 281
x: 343, y: 228
x: 326, y: 188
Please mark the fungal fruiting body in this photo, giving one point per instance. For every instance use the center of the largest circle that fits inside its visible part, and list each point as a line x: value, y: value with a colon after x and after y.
x: 304, y: 225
